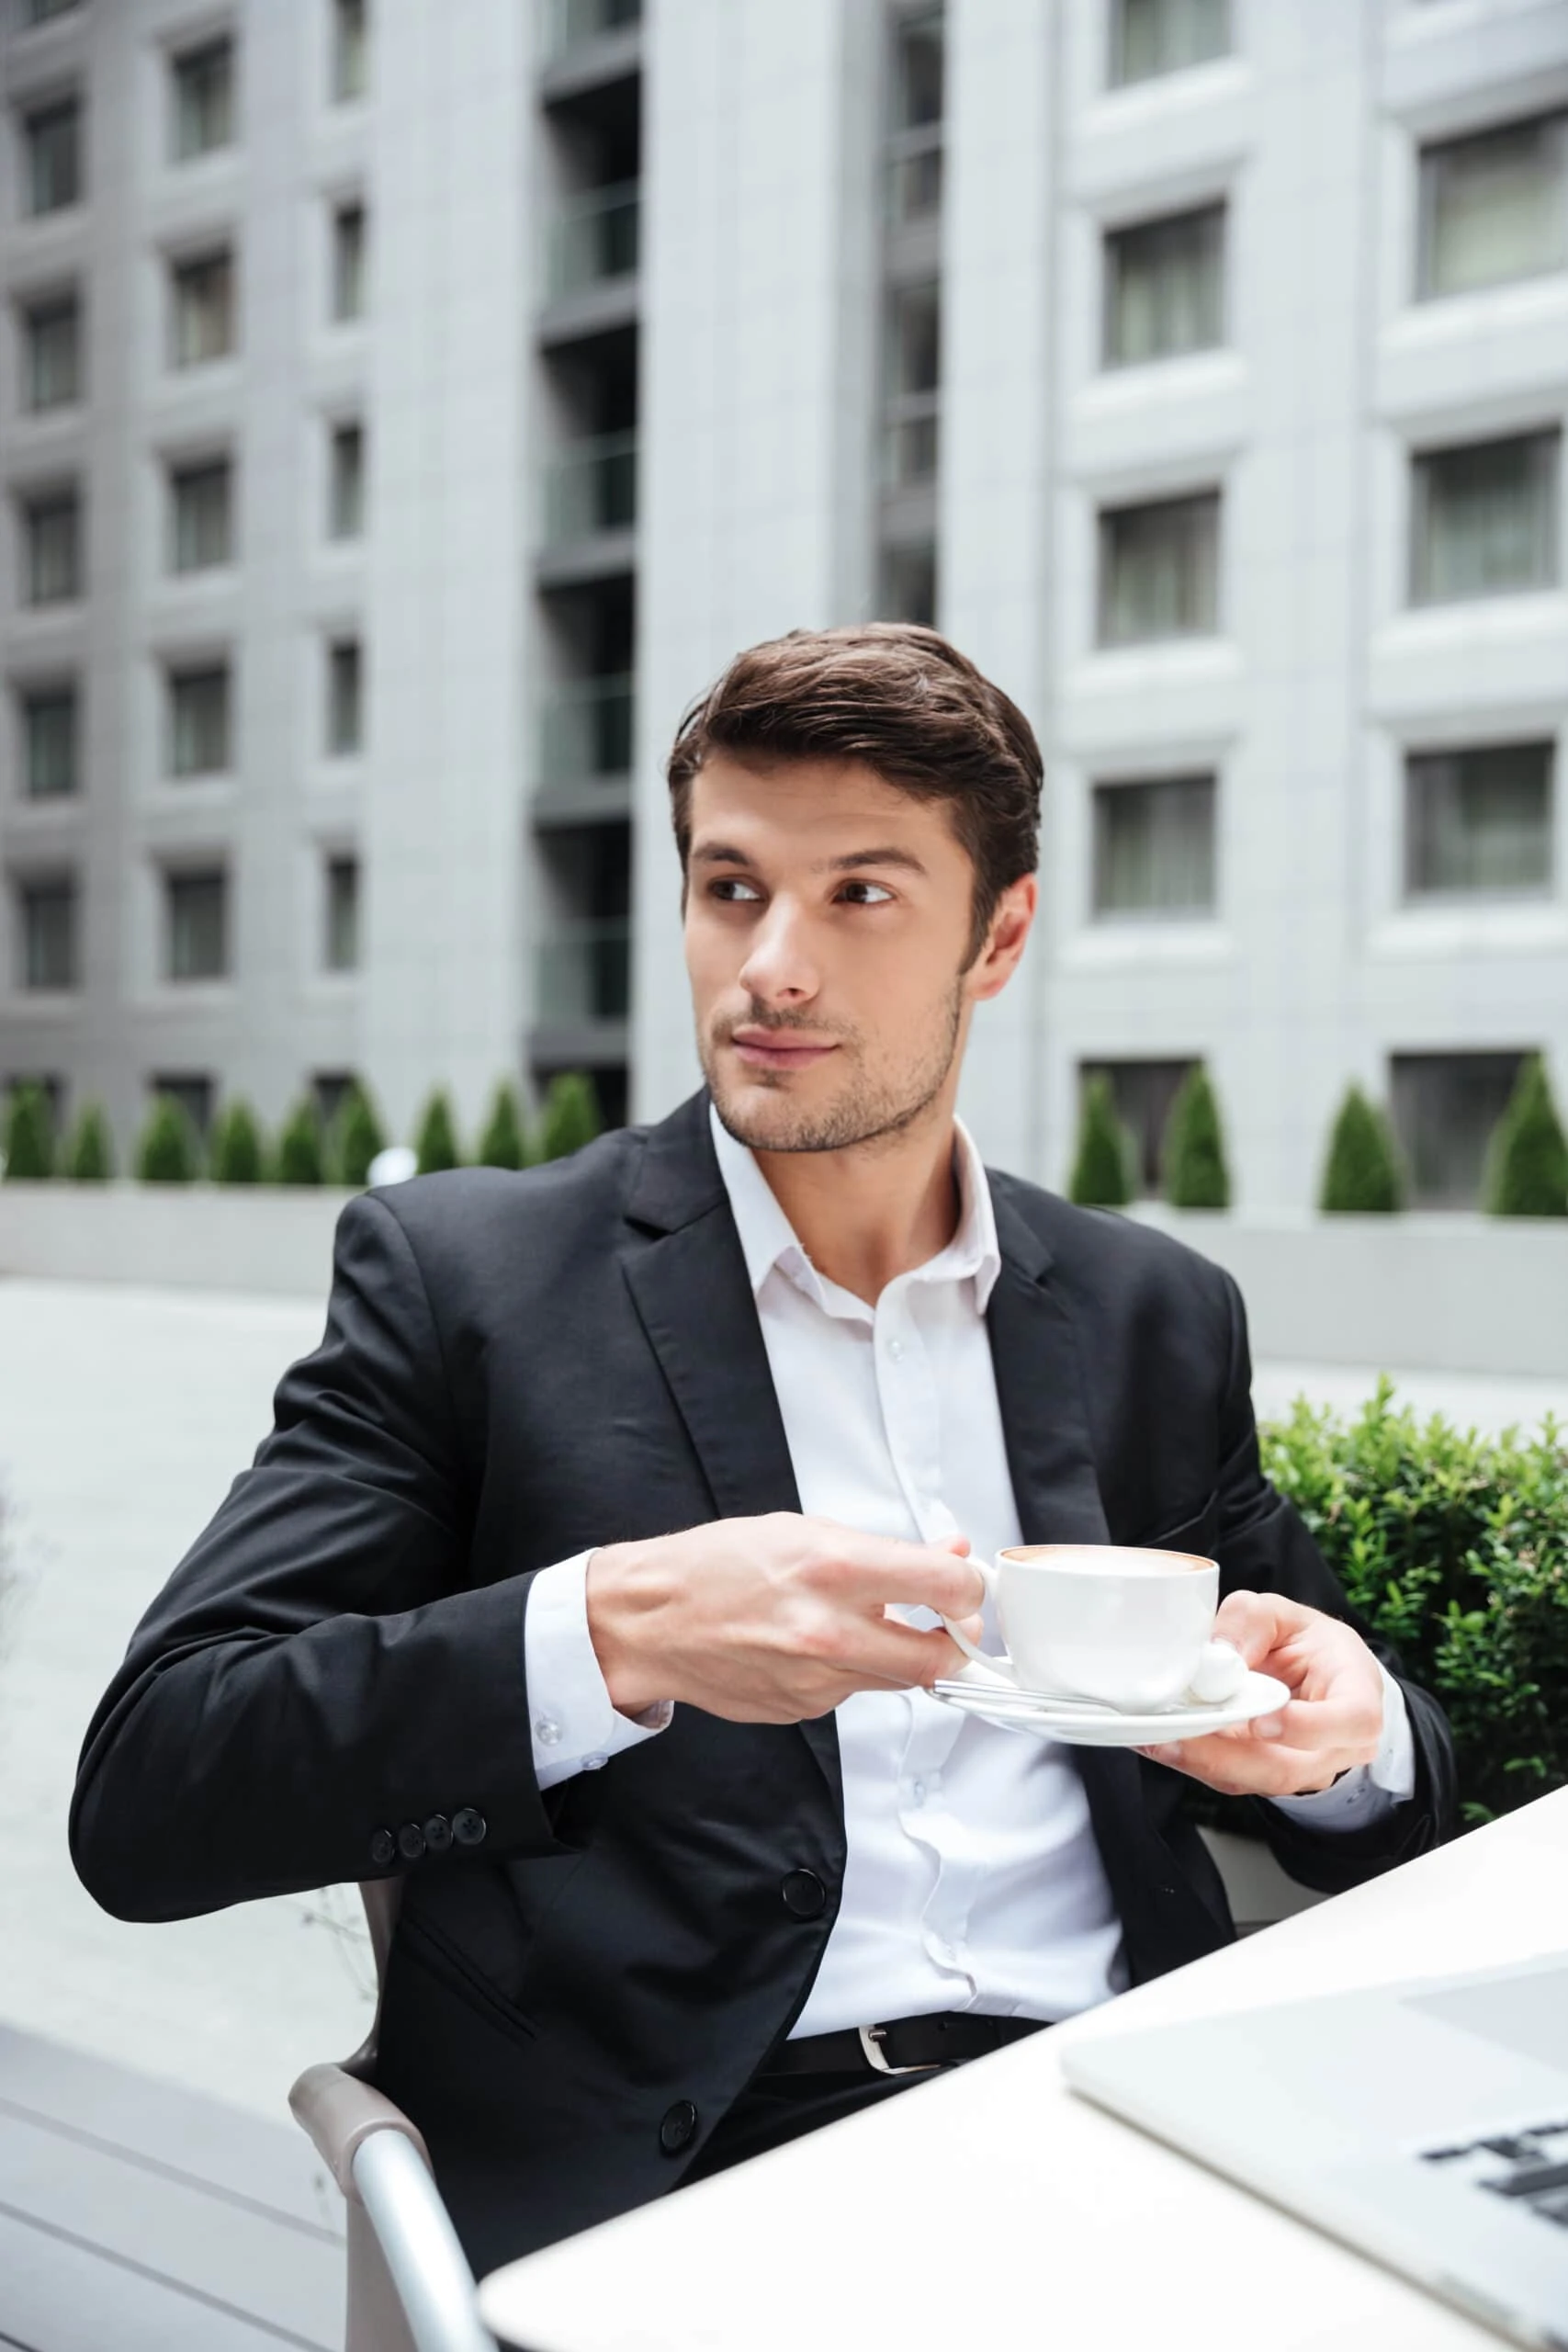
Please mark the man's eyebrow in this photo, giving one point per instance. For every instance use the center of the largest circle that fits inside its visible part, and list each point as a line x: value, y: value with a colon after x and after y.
x: 726, y: 853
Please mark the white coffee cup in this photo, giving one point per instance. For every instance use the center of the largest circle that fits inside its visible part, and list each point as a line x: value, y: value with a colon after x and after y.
x: 1105, y: 1621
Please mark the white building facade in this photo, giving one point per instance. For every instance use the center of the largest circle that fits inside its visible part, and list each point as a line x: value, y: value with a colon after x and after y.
x: 408, y: 408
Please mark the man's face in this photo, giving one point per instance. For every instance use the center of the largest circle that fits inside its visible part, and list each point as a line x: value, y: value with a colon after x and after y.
x: 827, y: 922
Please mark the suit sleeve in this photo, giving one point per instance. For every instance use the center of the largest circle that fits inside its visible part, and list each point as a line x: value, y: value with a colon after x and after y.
x: 318, y: 1680
x: 1263, y: 1546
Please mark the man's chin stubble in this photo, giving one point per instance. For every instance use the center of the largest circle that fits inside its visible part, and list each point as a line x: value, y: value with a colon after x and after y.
x: 855, y: 1117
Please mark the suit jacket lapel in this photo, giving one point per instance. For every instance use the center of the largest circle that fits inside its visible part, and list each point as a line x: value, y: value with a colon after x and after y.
x: 688, y: 1282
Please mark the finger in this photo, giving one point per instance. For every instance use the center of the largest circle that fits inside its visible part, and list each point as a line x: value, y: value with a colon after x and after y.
x: 869, y: 1572
x: 895, y: 1656
x: 1273, y: 1772
x: 1319, y: 1724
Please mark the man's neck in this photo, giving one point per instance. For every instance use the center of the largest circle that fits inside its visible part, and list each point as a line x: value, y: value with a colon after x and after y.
x: 866, y: 1214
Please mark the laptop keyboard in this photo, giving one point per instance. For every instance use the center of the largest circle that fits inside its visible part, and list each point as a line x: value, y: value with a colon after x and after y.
x: 1528, y: 2167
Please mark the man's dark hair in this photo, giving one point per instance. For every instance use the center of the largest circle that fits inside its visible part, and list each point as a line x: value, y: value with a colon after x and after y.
x: 907, y: 703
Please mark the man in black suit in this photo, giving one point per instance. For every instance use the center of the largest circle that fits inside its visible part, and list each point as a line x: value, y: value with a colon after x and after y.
x: 561, y: 1589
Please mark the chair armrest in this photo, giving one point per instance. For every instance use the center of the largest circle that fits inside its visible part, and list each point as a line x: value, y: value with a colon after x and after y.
x: 340, y: 2113
x: 428, y: 2268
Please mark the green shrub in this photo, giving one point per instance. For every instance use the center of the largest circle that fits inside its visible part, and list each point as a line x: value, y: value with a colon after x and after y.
x: 502, y: 1144
x: 1455, y: 1548
x: 301, y: 1160
x: 1193, y: 1148
x: 89, y: 1151
x: 1527, y: 1171
x: 29, y: 1134
x: 356, y: 1138
x: 237, y: 1153
x: 1101, y: 1176
x: 1362, y: 1171
x: 436, y: 1144
x: 570, y: 1116
x: 169, y: 1151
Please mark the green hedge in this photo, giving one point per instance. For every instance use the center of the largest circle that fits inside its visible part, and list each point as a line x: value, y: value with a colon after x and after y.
x: 1455, y: 1548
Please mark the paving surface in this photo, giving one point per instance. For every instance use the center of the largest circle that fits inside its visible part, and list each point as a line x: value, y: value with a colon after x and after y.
x: 124, y: 1415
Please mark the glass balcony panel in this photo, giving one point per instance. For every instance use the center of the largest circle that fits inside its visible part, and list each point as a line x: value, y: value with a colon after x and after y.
x: 586, y: 730
x: 592, y: 486
x: 570, y: 23
x: 585, y: 974
x: 910, y: 441
x: 914, y: 183
x: 594, y: 239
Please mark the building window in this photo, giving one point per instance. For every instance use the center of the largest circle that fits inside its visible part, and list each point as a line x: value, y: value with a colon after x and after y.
x: 345, y: 697
x: 1153, y: 37
x: 199, y: 720
x: 348, y: 262
x: 1483, y: 519
x: 49, y: 934
x: 908, y: 583
x: 1159, y: 571
x: 48, y: 742
x: 346, y: 500
x: 1143, y: 1094
x: 51, y: 549
x: 202, y: 309
x: 204, y: 100
x: 1479, y: 821
x: 1153, y: 847
x: 1164, y: 287
x: 1446, y: 1107
x: 194, y: 1094
x: 53, y: 348
x: 914, y: 145
x: 52, y: 141
x: 197, y: 937
x: 202, y: 500
x: 1493, y: 207
x: 341, y: 947
x: 914, y: 378
x: 351, y: 50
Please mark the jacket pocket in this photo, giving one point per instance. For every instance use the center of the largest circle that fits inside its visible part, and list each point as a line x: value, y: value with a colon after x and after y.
x: 451, y: 1967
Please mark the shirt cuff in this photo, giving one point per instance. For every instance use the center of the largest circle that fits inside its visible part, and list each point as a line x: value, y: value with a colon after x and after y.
x: 1370, y: 1790
x: 574, y: 1726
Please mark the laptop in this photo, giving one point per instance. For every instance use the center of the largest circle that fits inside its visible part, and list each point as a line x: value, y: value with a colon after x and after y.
x: 1423, y: 2123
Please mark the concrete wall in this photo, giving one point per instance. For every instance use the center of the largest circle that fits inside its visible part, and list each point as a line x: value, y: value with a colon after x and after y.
x: 1411, y: 1294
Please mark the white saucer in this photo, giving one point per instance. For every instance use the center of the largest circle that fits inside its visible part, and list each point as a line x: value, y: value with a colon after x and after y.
x: 1086, y: 1722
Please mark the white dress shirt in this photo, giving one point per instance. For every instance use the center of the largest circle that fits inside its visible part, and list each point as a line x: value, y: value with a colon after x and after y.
x: 972, y: 1879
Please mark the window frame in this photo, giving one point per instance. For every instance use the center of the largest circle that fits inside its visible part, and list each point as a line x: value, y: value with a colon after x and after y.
x: 1548, y: 438
x: 1428, y: 154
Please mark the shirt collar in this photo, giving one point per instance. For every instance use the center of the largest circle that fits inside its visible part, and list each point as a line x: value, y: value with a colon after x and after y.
x: 768, y: 1238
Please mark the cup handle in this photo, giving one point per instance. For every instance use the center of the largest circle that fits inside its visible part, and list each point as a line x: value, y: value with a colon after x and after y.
x: 1001, y: 1666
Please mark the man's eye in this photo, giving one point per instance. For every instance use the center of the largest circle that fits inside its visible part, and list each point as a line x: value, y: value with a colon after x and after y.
x: 867, y: 894
x: 731, y: 890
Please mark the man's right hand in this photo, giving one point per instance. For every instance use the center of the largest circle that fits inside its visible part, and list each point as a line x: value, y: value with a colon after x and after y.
x: 773, y: 1619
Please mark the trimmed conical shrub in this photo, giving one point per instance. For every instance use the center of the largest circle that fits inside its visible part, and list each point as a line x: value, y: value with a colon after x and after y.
x: 299, y: 1157
x: 1193, y: 1152
x: 570, y: 1116
x: 356, y: 1138
x: 502, y: 1144
x: 29, y: 1134
x: 1527, y: 1161
x: 89, y: 1153
x: 237, y: 1153
x: 436, y: 1145
x: 169, y: 1151
x: 1101, y: 1171
x: 1362, y: 1174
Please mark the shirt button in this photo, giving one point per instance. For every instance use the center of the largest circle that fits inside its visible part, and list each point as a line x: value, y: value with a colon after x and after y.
x: 595, y: 1763
x: 547, y: 1731
x: 678, y: 2127
x: 918, y: 1792
x: 895, y: 1349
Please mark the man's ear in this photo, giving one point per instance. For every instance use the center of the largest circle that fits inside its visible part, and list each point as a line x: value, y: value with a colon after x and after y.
x: 1005, y: 941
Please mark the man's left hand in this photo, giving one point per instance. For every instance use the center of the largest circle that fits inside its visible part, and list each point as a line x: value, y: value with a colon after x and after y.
x: 1334, y: 1719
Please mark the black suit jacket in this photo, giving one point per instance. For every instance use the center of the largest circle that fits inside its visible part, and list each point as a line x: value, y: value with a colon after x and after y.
x: 517, y: 1367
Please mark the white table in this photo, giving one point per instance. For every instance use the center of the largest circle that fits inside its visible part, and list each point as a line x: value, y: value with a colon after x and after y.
x: 994, y: 2196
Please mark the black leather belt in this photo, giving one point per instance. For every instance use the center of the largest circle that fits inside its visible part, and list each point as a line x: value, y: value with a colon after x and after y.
x: 907, y: 2046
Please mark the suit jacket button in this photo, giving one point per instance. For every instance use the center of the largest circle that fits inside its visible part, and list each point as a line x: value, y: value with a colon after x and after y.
x: 804, y: 1895
x: 678, y: 2127
x: 411, y: 1841
x: 437, y: 1834
x: 383, y: 1848
x: 468, y: 1828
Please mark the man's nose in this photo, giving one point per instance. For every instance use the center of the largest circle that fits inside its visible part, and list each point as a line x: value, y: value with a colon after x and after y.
x: 779, y: 967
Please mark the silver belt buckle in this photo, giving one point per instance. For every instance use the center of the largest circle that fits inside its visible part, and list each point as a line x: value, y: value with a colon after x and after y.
x: 871, y: 2036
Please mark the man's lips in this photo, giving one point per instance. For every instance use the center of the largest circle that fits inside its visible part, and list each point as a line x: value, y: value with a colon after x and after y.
x: 761, y: 1049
